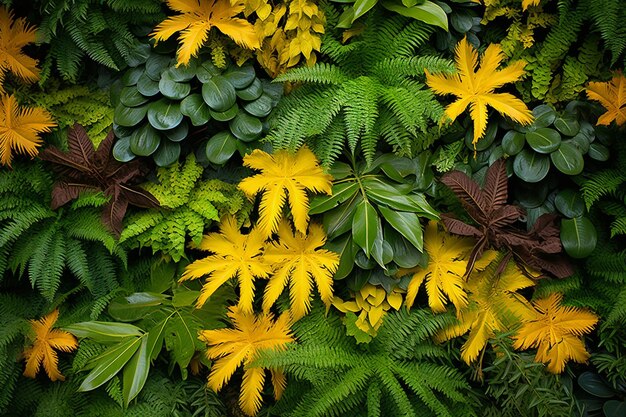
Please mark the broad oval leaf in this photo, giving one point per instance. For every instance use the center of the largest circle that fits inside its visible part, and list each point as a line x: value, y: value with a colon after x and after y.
x: 365, y: 226
x: 109, y: 363
x: 260, y: 107
x: 219, y: 94
x: 513, y: 142
x: 155, y: 65
x: 220, y: 148
x: 194, y: 107
x: 103, y: 331
x: 134, y: 306
x: 428, y: 12
x: 129, y: 116
x: 164, y: 114
x: 594, y: 385
x: 570, y: 203
x: 599, y: 152
x: 147, y: 86
x: 339, y: 220
x: 144, y: 141
x: 179, y: 133
x: 240, y: 77
x: 568, y: 159
x: 544, y: 116
x: 544, y: 140
x: 361, y: 7
x: 251, y: 92
x: 131, y: 76
x: 614, y: 408
x: 227, y: 115
x: 167, y: 154
x: 121, y: 150
x: 245, y: 127
x: 131, y: 97
x: 578, y: 236
x: 183, y: 73
x: 567, y: 126
x: 531, y: 166
x: 347, y: 249
x: 172, y: 89
x: 408, y: 224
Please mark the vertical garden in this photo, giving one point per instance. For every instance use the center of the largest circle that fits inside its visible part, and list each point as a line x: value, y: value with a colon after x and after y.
x: 313, y: 208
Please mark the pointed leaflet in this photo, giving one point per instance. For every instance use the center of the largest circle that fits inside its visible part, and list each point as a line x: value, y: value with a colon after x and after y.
x: 42, y: 350
x: 556, y: 330
x: 85, y: 169
x: 14, y: 35
x: 235, y: 255
x: 496, y: 185
x: 612, y: 95
x: 298, y: 259
x: 230, y: 348
x: 197, y: 19
x: 282, y: 173
x: 19, y: 128
x: 475, y: 88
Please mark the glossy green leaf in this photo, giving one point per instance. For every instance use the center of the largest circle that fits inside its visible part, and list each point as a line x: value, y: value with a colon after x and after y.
x: 544, y: 116
x: 568, y: 159
x: 567, y: 126
x: 183, y: 73
x: 194, y: 107
x: 340, y: 219
x: 109, y: 363
x: 428, y: 12
x: 136, y: 372
x: 405, y: 255
x: 578, y: 236
x: 407, y: 224
x: 531, y: 166
x: 341, y: 192
x: 220, y: 148
x: 251, y: 92
x: 485, y: 142
x: 131, y: 97
x: 582, y: 142
x: 134, y: 306
x: 103, y: 331
x: 245, y: 127
x: 595, y: 385
x: 361, y: 7
x: 129, y: 116
x: 179, y: 133
x: 181, y: 336
x: 513, y: 142
x: 147, y: 86
x: 347, y: 251
x: 614, y: 408
x: 155, y: 338
x: 139, y: 55
x: 260, y: 107
x: 131, y: 76
x: 544, y: 140
x: 240, y: 77
x: 570, y: 203
x: 121, y: 150
x: 599, y: 152
x: 184, y: 297
x: 164, y: 114
x: 155, y: 65
x: 145, y: 140
x: 219, y: 94
x: 225, y: 115
x: 206, y: 71
x: 167, y: 154
x: 172, y: 89
x: 364, y: 226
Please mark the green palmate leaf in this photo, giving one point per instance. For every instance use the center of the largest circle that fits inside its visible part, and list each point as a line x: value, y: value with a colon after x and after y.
x: 579, y: 237
x: 365, y: 226
x: 531, y: 166
x: 135, y: 372
x: 428, y: 12
x: 103, y: 332
x: 107, y: 365
x: 568, y: 159
x: 544, y: 140
x: 408, y: 224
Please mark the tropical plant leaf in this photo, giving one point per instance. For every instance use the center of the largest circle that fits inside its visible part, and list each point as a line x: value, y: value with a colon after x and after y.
x: 14, y: 35
x: 612, y: 95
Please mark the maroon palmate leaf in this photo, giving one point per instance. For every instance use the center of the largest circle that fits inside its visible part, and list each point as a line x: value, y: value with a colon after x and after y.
x: 498, y: 224
x: 85, y: 169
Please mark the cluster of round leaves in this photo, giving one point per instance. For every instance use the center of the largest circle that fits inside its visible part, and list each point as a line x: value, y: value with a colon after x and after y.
x: 158, y: 104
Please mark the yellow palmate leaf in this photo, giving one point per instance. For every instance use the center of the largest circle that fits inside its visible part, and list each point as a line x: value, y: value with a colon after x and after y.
x: 43, y: 348
x: 299, y: 262
x: 19, y: 128
x: 231, y: 348
x: 236, y: 255
x: 493, y: 305
x: 282, y: 173
x: 445, y: 270
x: 556, y: 331
x: 197, y: 19
x: 527, y: 3
x: 14, y: 35
x: 612, y: 96
x: 475, y: 87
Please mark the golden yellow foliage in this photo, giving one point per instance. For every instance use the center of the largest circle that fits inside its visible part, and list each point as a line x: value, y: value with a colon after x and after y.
x: 14, y: 35
x: 197, y: 19
x: 612, y: 95
x: 282, y: 174
x: 235, y: 255
x: 19, y: 128
x: 298, y: 261
x: 46, y: 341
x: 474, y: 87
x: 528, y: 3
x: 230, y: 348
x: 556, y: 331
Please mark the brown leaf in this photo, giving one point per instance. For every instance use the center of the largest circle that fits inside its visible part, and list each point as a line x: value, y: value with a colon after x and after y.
x: 496, y: 185
x: 467, y: 190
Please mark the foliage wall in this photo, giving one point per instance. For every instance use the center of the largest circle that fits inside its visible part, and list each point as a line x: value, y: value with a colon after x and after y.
x: 313, y: 208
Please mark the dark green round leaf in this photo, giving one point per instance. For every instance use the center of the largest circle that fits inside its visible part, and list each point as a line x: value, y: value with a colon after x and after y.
x: 599, y: 152
x: 544, y: 116
x: 167, y: 154
x: 206, y: 71
x: 131, y: 76
x: 594, y: 385
x: 570, y: 203
x: 404, y: 253
x: 614, y: 408
x: 531, y: 166
x: 178, y: 133
x: 155, y: 65
x: 532, y: 195
x: 115, y: 91
x: 484, y: 142
x: 568, y: 159
x: 274, y: 90
x: 145, y: 140
x: 196, y: 109
x: 219, y: 94
x: 240, y: 77
x: 225, y: 115
x: 496, y: 153
x: 362, y: 261
x: 147, y: 86
x: 260, y: 107
x: 171, y: 89
x: 131, y: 97
x: 251, y: 92
x: 122, y: 131
x: 220, y: 148
x: 567, y: 126
x: 164, y: 114
x: 129, y: 116
x: 139, y: 55
x: 588, y: 129
x: 121, y: 150
x: 246, y: 127
x: 513, y: 142
x: 582, y: 142
x: 461, y: 21
x: 183, y: 73
x: 544, y: 140
x: 578, y: 236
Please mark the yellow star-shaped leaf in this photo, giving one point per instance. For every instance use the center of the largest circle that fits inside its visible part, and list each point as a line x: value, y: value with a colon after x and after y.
x: 14, y: 35
x: 197, y: 19
x: 475, y: 87
x: 230, y: 348
x: 556, y: 331
x: 282, y: 174
x: 235, y: 255
x: 612, y: 95
x: 298, y: 262
x: 43, y: 348
x: 19, y: 127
